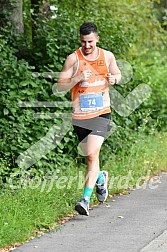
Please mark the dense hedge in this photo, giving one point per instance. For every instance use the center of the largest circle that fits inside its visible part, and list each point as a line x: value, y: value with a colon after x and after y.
x: 24, y: 79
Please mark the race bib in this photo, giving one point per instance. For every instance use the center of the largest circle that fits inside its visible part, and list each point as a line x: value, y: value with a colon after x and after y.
x: 91, y: 102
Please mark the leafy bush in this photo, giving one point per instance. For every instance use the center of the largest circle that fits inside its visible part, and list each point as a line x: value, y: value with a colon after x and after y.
x: 53, y: 40
x: 18, y: 128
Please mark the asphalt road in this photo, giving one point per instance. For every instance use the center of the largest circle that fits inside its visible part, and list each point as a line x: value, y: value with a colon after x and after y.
x: 128, y: 223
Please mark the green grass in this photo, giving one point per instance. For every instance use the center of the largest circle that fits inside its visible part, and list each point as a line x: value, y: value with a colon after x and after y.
x: 146, y: 158
x: 38, y: 206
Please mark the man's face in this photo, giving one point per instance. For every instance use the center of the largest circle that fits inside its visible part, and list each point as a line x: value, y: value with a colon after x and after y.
x: 88, y: 43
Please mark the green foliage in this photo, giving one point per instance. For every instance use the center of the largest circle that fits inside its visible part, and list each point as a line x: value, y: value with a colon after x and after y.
x: 40, y: 204
x: 155, y: 68
x: 18, y: 128
x: 130, y: 30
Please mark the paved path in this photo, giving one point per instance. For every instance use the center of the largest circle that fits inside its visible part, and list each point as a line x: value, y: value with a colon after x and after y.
x: 136, y: 222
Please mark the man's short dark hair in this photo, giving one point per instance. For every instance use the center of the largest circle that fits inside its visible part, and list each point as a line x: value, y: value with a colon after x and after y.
x: 88, y: 27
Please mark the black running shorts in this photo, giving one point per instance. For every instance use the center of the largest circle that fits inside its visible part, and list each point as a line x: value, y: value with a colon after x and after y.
x: 99, y: 126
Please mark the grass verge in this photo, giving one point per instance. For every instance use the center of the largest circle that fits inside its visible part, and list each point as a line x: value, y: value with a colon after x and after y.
x: 40, y: 205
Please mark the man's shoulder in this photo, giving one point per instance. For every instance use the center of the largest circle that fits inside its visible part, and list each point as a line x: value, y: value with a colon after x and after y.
x: 108, y: 54
x: 72, y: 56
x: 71, y: 59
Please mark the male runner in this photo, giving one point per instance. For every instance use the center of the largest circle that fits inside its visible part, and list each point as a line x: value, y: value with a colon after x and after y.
x: 88, y: 72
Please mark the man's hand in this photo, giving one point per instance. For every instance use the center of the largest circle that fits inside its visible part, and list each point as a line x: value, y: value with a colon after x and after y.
x: 111, y: 79
x: 85, y: 75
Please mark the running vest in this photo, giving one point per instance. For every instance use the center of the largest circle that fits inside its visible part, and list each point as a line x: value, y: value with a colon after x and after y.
x: 90, y: 98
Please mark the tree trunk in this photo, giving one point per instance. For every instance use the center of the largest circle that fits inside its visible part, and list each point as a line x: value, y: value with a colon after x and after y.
x: 12, y: 14
x: 27, y: 22
x: 17, y: 16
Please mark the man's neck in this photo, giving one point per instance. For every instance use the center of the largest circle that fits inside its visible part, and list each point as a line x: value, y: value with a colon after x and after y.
x: 93, y: 55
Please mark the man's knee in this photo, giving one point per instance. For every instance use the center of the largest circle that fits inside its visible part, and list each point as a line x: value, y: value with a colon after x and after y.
x: 92, y: 157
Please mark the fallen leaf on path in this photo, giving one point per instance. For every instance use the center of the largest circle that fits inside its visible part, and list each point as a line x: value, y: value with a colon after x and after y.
x: 120, y: 217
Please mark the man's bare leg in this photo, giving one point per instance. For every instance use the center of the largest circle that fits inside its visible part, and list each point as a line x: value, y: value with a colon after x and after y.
x: 91, y: 150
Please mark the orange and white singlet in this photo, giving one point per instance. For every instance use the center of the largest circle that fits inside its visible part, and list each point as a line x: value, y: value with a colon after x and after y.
x: 91, y: 98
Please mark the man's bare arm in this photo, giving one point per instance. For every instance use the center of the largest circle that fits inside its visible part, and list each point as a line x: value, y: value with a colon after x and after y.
x: 114, y: 75
x: 66, y: 80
